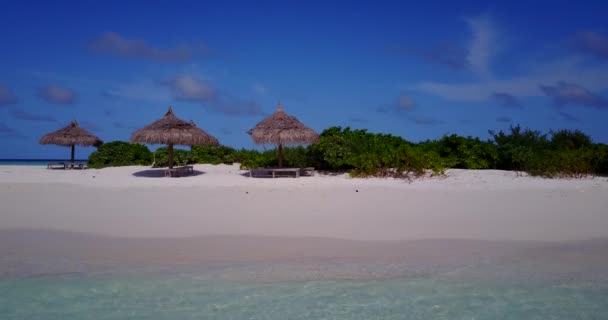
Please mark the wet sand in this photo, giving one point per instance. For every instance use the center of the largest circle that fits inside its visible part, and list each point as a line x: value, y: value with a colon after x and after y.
x: 27, y: 253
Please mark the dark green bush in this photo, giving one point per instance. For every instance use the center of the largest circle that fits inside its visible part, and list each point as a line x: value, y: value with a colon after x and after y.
x: 516, y: 149
x: 600, y: 159
x: 563, y: 163
x: 464, y: 152
x: 212, y: 154
x: 251, y: 159
x: 341, y: 148
x: 570, y: 140
x: 294, y: 157
x: 180, y: 157
x: 298, y: 157
x: 402, y: 162
x: 429, y: 160
x: 336, y: 148
x: 119, y: 153
x: 569, y: 154
x: 367, y: 154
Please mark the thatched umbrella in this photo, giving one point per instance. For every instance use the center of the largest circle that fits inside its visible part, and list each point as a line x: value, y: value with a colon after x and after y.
x: 282, y: 129
x: 171, y: 130
x: 71, y: 135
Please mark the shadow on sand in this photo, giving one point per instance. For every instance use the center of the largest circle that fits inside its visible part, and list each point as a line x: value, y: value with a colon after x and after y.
x: 258, y: 176
x: 160, y: 173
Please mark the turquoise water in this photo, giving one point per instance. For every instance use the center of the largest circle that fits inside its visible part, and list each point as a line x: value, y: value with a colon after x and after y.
x: 25, y: 162
x: 199, y: 296
x: 59, y: 275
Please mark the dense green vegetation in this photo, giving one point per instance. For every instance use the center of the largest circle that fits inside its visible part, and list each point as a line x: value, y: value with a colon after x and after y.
x: 563, y: 153
x: 161, y: 158
x: 119, y: 153
x: 367, y: 154
x: 463, y: 152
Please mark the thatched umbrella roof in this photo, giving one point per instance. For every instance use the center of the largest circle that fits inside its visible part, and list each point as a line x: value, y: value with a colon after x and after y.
x: 282, y: 129
x: 70, y: 136
x: 171, y: 130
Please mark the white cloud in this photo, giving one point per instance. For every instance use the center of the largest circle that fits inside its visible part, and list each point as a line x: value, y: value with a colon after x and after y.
x: 260, y: 89
x: 506, y: 100
x: 405, y: 103
x: 425, y: 121
x: 192, y: 89
x: 575, y: 69
x: 117, y: 45
x: 402, y: 105
x: 189, y: 88
x: 564, y: 93
x: 571, y: 69
x: 56, y: 94
x: 24, y: 115
x: 140, y: 90
x: 482, y: 45
x: 7, y: 96
x: 593, y: 43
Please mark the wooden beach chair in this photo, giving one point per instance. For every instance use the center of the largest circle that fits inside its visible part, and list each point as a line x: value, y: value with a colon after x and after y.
x: 179, y: 171
x: 80, y: 165
x: 308, y: 171
x: 275, y: 172
x: 57, y: 165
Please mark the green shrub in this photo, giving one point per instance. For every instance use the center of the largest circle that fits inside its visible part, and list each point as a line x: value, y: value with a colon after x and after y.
x: 180, y: 157
x: 212, y: 154
x: 366, y: 154
x: 570, y: 140
x: 119, y: 153
x: 600, y: 159
x: 464, y: 152
x: 569, y: 154
x: 429, y: 160
x: 251, y: 159
x: 342, y: 148
x: 336, y: 148
x: 298, y: 157
x: 563, y: 163
x: 516, y: 149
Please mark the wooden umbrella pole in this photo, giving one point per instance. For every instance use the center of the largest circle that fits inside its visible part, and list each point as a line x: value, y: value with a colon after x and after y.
x: 280, y: 155
x: 72, y: 164
x: 170, y: 154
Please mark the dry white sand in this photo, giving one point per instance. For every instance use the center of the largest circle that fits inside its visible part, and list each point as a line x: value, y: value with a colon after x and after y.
x: 466, y: 204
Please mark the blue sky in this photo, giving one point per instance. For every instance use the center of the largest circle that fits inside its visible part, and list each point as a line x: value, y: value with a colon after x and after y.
x: 418, y: 70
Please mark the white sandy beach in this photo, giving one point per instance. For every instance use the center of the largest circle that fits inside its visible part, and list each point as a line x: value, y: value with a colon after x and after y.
x: 221, y: 200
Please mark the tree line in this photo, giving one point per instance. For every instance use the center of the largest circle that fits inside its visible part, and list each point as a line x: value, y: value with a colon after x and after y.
x: 563, y: 153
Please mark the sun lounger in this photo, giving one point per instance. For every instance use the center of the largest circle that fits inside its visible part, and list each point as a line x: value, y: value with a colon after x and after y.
x: 179, y: 171
x: 79, y: 165
x: 57, y: 165
x: 67, y: 165
x: 275, y: 172
x: 308, y: 171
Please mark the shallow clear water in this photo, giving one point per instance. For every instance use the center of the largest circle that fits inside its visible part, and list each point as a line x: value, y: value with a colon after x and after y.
x: 200, y: 296
x: 50, y: 275
x: 25, y: 162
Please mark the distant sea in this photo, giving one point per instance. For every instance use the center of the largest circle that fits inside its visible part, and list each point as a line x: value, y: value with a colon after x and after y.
x: 28, y: 162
